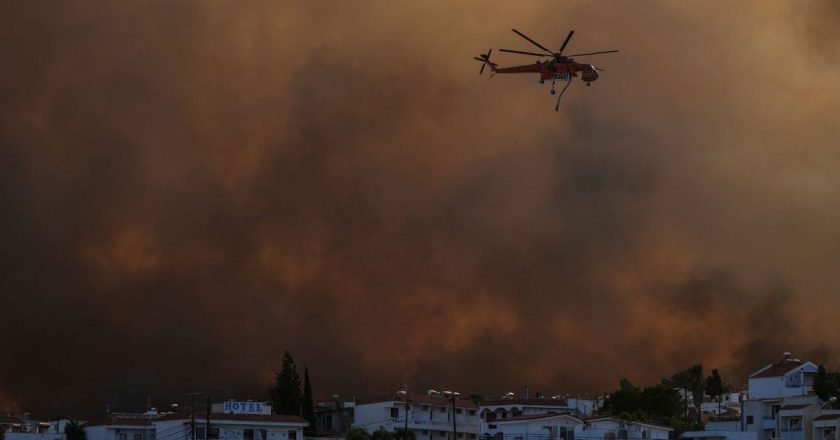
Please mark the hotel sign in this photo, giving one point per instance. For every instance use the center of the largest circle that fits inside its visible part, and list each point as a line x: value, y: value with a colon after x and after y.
x: 242, y: 407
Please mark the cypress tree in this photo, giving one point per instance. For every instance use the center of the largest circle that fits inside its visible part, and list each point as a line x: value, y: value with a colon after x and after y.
x: 285, y: 395
x: 308, y: 403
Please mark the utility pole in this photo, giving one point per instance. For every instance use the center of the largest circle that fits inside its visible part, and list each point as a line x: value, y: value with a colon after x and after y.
x: 131, y: 401
x: 407, y: 406
x: 192, y: 414
x: 454, y: 420
x: 207, y: 423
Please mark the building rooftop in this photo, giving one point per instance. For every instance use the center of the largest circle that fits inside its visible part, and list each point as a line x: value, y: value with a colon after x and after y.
x: 420, y: 399
x: 604, y: 419
x: 795, y: 406
x: 535, y: 417
x: 534, y: 402
x: 235, y: 417
x: 122, y: 421
x: 827, y: 417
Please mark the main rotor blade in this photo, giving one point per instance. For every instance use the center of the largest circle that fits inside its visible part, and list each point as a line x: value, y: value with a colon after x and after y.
x: 525, y: 53
x: 592, y: 53
x: 567, y: 41
x: 532, y: 41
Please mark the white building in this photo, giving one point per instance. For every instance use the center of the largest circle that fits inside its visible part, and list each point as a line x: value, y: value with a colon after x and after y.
x: 492, y: 411
x: 729, y: 405
x: 787, y: 378
x: 429, y: 416
x: 227, y: 427
x: 137, y: 427
x: 532, y: 427
x: 42, y: 431
x: 825, y: 425
x: 781, y: 405
x: 609, y: 428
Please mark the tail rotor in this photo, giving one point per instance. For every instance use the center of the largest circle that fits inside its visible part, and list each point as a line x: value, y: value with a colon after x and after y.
x: 485, y: 60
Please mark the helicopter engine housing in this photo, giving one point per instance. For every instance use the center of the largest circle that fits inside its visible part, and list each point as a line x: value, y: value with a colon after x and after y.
x: 589, y: 74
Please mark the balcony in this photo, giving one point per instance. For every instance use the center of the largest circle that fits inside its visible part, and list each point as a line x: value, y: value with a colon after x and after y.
x: 789, y: 434
x: 470, y: 427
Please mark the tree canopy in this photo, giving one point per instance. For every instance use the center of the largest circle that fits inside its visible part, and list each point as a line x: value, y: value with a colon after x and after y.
x: 74, y: 431
x: 827, y: 383
x: 659, y: 403
x: 691, y: 379
x: 358, y: 434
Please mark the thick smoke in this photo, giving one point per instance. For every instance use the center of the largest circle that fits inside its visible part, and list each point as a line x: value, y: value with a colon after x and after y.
x: 192, y: 188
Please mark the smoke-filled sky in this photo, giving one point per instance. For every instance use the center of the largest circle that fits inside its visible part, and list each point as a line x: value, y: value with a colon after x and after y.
x: 190, y: 188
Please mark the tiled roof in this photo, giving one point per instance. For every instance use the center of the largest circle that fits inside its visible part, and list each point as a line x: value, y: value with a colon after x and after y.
x: 540, y: 402
x: 599, y: 419
x: 777, y: 369
x: 827, y: 417
x: 120, y: 421
x: 235, y: 417
x: 420, y: 399
x: 796, y: 406
x: 533, y: 417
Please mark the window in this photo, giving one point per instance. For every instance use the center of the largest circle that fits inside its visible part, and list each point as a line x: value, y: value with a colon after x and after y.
x: 471, y: 412
x: 395, y: 412
x: 214, y: 434
x: 137, y: 436
x: 443, y: 433
x: 425, y: 407
x: 248, y: 434
x: 473, y: 436
x: 443, y: 409
x: 292, y: 435
x: 491, y: 426
x: 644, y: 434
x: 263, y: 434
x: 199, y: 433
x: 460, y: 435
x: 749, y: 420
x: 459, y: 411
x: 425, y: 432
x: 123, y: 436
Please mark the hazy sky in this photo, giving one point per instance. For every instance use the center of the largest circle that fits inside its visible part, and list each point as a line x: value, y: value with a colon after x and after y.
x: 190, y: 188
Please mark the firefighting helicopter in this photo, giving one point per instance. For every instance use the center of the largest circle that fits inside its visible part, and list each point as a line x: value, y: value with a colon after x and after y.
x: 558, y: 67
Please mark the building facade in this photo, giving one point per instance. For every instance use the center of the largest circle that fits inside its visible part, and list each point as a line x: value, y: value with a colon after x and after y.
x: 609, y: 428
x: 532, y: 427
x: 429, y: 416
x: 333, y: 418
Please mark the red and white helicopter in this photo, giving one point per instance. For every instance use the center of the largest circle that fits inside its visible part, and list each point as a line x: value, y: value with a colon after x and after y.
x: 558, y: 67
